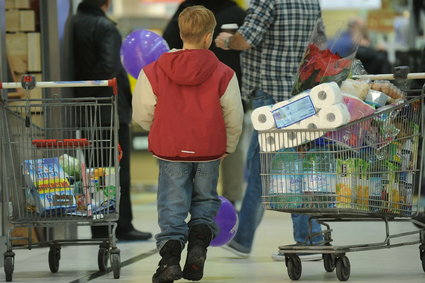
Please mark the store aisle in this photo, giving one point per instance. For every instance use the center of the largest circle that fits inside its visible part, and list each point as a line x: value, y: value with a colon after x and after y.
x: 79, y: 264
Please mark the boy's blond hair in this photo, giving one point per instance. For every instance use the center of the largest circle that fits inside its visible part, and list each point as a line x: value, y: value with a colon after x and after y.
x: 195, y: 22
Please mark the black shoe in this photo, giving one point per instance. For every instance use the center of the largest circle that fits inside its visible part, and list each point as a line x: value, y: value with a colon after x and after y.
x: 421, y: 218
x: 134, y: 235
x: 99, y: 232
x: 167, y: 274
x: 169, y: 267
x: 199, y: 239
x: 194, y: 266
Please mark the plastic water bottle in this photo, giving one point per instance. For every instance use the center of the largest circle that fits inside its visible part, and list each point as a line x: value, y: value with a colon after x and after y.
x: 319, y: 182
x: 287, y: 178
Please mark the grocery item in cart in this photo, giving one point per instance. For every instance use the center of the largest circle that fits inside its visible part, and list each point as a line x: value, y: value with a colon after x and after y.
x: 334, y: 116
x: 356, y: 88
x: 319, y: 172
x: 70, y: 165
x: 326, y: 94
x: 287, y: 113
x: 277, y: 140
x: 48, y: 185
x: 286, y: 178
x: 286, y: 172
x: 349, y: 186
x: 358, y: 108
x: 377, y: 98
x: 262, y: 118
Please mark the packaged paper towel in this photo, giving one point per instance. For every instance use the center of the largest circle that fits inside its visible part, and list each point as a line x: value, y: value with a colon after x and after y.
x: 290, y: 112
x: 279, y: 139
x: 333, y: 116
x: 313, y: 123
x: 326, y: 94
x: 262, y: 118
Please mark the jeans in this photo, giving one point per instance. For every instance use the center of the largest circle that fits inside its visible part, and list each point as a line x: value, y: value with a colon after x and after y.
x: 183, y: 188
x: 252, y: 209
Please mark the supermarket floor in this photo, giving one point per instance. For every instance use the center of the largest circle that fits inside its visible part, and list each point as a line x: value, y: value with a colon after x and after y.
x: 139, y: 260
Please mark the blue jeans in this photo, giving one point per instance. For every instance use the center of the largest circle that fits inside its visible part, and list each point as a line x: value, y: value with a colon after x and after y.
x: 183, y: 188
x: 252, y: 209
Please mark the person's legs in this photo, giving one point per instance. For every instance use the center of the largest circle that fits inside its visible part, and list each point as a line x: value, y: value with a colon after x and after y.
x: 302, y: 230
x: 252, y: 210
x: 175, y: 185
x: 125, y: 230
x: 202, y: 227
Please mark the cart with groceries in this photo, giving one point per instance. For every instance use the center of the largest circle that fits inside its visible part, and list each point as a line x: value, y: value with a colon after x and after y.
x: 348, y: 152
x: 59, y: 166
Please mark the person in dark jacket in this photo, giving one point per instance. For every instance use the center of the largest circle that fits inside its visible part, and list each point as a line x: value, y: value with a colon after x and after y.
x: 225, y: 12
x: 97, y: 43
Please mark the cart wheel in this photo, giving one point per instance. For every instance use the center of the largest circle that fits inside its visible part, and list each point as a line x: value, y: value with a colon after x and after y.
x: 329, y: 262
x: 54, y: 257
x: 102, y: 259
x: 9, y: 263
x: 116, y: 265
x: 293, y: 266
x: 343, y: 268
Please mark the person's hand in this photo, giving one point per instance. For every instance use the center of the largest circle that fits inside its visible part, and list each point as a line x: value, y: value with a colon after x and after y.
x: 221, y: 39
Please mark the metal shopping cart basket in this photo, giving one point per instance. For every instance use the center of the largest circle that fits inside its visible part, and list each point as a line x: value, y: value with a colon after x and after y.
x: 60, y: 166
x: 367, y: 170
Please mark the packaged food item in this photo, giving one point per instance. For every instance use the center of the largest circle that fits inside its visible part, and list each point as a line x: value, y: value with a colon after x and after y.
x: 358, y: 108
x: 388, y: 88
x: 49, y: 190
x: 355, y: 88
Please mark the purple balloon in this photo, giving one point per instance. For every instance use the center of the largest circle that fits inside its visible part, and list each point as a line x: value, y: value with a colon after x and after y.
x: 140, y: 48
x: 227, y: 222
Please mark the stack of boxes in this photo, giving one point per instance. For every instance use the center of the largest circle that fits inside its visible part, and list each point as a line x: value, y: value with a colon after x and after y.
x: 23, y: 43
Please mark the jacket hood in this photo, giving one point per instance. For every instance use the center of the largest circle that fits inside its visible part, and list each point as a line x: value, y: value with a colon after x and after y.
x: 189, y: 66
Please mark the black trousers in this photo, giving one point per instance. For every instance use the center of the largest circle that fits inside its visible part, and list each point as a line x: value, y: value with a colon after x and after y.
x: 125, y: 212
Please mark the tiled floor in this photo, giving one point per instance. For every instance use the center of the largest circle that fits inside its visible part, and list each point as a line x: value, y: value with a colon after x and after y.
x: 139, y: 260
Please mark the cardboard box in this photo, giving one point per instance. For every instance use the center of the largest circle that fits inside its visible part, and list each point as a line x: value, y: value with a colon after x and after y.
x: 23, y: 232
x: 22, y: 4
x: 10, y: 4
x: 26, y: 20
x: 16, y: 47
x: 24, y: 52
x: 12, y: 20
x: 20, y: 20
x: 34, y: 52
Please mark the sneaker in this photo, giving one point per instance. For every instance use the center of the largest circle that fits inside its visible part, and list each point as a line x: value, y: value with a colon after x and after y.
x: 303, y: 257
x: 234, y: 250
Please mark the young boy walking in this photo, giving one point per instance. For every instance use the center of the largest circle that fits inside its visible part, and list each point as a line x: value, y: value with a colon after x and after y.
x: 190, y: 103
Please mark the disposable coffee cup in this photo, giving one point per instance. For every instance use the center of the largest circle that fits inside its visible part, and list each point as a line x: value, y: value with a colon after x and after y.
x: 230, y: 28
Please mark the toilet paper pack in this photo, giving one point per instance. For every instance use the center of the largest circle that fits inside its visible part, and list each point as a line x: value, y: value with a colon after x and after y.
x: 334, y: 116
x: 293, y: 111
x: 326, y: 94
x: 262, y: 118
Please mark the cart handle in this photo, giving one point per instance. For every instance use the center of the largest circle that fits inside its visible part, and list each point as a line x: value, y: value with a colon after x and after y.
x: 65, y: 143
x: 27, y: 78
x: 410, y: 76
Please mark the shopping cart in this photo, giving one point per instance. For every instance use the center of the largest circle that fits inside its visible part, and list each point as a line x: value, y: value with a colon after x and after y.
x: 60, y: 166
x: 368, y: 170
